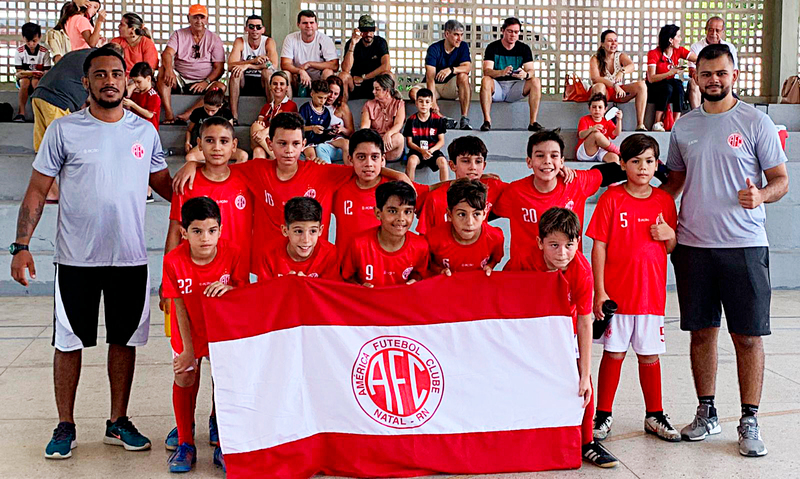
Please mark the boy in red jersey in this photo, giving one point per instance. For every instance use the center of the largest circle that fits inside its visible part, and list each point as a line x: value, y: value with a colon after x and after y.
x: 558, y: 242
x: 273, y: 183
x: 388, y: 254
x: 467, y: 243
x: 467, y: 160
x: 144, y: 100
x: 201, y: 266
x: 523, y: 201
x: 595, y: 132
x: 302, y: 251
x: 633, y: 228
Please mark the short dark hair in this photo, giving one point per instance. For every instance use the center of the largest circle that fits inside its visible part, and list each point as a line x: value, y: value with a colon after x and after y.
x: 712, y: 52
x: 319, y: 86
x: 31, y: 30
x: 598, y: 97
x: 545, y: 135
x: 141, y: 69
x: 306, y: 13
x: 511, y: 21
x: 215, y: 97
x: 199, y: 208
x: 286, y: 121
x: 466, y: 145
x: 637, y: 144
x: 302, y: 209
x: 216, y: 121
x: 666, y: 34
x: 255, y: 17
x: 465, y: 189
x: 424, y: 93
x: 402, y: 190
x: 365, y: 135
x: 104, y: 51
x: 559, y: 220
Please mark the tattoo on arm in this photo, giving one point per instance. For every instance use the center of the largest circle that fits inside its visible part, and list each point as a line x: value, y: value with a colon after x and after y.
x: 29, y: 216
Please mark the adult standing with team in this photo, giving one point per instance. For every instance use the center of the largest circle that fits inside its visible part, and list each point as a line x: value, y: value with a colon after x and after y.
x: 717, y: 156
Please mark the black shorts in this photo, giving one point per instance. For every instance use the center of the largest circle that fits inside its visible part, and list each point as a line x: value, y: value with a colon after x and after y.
x: 126, y: 300
x: 734, y: 279
x: 430, y: 162
x: 362, y: 91
x: 252, y: 87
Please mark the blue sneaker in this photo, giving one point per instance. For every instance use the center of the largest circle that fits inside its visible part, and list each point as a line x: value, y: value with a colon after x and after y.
x: 183, y: 459
x: 62, y: 443
x: 213, y: 433
x: 219, y: 459
x: 171, y: 442
x: 123, y: 433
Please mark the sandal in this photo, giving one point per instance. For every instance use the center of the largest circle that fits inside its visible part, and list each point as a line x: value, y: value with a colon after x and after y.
x: 235, y: 122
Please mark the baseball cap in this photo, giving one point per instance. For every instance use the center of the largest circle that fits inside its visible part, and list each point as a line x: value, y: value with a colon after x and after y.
x: 198, y: 9
x: 365, y: 22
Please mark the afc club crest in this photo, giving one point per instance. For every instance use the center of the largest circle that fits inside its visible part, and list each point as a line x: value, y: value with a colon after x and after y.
x: 735, y: 141
x: 137, y: 150
x: 240, y: 202
x: 311, y: 193
x: 407, y: 272
x: 397, y: 381
x: 225, y: 279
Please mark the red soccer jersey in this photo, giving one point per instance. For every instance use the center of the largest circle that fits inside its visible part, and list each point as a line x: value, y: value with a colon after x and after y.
x: 235, y: 203
x: 434, y: 211
x: 607, y: 128
x: 323, y: 262
x: 446, y: 252
x: 271, y: 194
x: 367, y: 262
x: 151, y: 102
x: 523, y: 205
x: 636, y: 264
x: 185, y: 279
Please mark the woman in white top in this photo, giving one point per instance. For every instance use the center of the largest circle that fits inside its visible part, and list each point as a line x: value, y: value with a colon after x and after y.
x: 607, y: 69
x: 335, y: 150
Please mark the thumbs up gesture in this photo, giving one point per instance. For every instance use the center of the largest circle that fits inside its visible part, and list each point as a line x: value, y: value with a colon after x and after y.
x: 660, y: 230
x: 750, y: 197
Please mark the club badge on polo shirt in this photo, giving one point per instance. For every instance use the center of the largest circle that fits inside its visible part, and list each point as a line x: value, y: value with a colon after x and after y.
x: 735, y: 140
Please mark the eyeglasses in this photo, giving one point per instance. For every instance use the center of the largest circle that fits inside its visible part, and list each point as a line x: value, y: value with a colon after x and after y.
x: 254, y: 27
x: 196, y: 51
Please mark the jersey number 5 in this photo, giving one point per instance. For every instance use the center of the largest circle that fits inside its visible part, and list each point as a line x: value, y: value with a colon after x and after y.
x: 623, y: 219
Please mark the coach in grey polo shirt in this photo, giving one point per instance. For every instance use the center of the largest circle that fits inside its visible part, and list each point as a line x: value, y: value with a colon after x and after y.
x: 717, y: 155
x: 104, y: 157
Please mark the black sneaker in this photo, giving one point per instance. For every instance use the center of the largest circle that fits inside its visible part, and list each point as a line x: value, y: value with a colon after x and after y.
x: 19, y: 119
x: 598, y: 455
x: 535, y: 126
x: 451, y: 123
x: 150, y: 199
x: 463, y: 124
x: 486, y: 126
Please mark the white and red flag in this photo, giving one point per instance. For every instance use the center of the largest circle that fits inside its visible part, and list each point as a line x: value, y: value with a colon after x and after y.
x: 458, y: 375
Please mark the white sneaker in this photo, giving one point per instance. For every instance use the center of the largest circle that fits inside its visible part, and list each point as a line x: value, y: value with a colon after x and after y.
x: 658, y: 127
x: 661, y: 427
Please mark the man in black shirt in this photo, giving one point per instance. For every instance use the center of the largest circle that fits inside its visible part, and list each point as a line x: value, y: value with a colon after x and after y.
x: 366, y: 56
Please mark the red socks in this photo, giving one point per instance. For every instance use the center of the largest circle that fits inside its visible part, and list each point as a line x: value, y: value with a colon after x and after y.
x: 607, y: 382
x: 650, y: 379
x: 612, y: 148
x: 183, y: 403
x: 588, y: 422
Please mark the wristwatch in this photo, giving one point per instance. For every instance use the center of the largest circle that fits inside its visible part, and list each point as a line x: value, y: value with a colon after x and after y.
x: 16, y: 248
x: 452, y: 70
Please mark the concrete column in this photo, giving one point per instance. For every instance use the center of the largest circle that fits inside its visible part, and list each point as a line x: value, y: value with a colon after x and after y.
x: 780, y: 36
x: 281, y: 18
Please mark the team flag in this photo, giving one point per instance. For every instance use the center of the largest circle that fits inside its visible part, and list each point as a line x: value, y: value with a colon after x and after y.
x: 452, y: 375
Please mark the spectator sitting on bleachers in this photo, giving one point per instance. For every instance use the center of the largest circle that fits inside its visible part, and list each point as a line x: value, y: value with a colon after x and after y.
x: 253, y: 60
x: 335, y: 150
x: 715, y: 31
x: 280, y: 103
x: 30, y: 62
x: 665, y: 74
x: 447, y: 67
x: 607, y: 69
x: 212, y: 107
x: 316, y: 117
x: 56, y: 39
x: 136, y: 42
x: 192, y: 62
x: 386, y: 114
x: 366, y: 55
x: 309, y: 54
x: 82, y: 34
x: 424, y: 134
x: 595, y: 133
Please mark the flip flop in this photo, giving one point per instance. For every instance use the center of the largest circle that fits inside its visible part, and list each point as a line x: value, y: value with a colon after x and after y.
x: 174, y: 121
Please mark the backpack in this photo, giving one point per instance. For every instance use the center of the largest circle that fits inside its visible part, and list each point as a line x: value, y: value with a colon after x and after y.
x: 790, y: 93
x: 6, y: 112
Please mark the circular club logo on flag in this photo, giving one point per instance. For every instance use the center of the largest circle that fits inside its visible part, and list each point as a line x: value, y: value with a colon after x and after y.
x: 735, y: 140
x: 312, y: 193
x: 397, y: 381
x: 137, y: 150
x: 240, y: 202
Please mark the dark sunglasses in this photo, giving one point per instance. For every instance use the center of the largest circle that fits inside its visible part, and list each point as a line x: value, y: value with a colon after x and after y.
x: 196, y: 51
x: 254, y: 27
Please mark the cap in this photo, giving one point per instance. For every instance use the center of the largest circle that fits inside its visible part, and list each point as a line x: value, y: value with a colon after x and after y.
x: 198, y: 9
x: 366, y: 22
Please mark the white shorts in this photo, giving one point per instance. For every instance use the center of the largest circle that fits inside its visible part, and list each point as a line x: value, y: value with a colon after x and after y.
x: 190, y: 368
x: 597, y: 157
x: 508, y: 91
x: 644, y: 331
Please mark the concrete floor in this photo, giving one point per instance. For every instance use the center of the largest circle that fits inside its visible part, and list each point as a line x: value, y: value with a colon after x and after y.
x: 28, y: 413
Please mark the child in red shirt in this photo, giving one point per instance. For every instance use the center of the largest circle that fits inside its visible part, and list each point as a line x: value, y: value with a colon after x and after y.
x: 388, y: 254
x: 467, y: 243
x: 467, y: 160
x: 202, y: 266
x: 595, y: 133
x: 144, y: 100
x: 633, y: 228
x: 302, y: 251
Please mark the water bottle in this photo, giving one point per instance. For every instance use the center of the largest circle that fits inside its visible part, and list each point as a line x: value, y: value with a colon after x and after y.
x: 599, y: 326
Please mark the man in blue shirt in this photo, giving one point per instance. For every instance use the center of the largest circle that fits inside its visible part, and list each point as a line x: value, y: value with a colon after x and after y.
x: 447, y: 67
